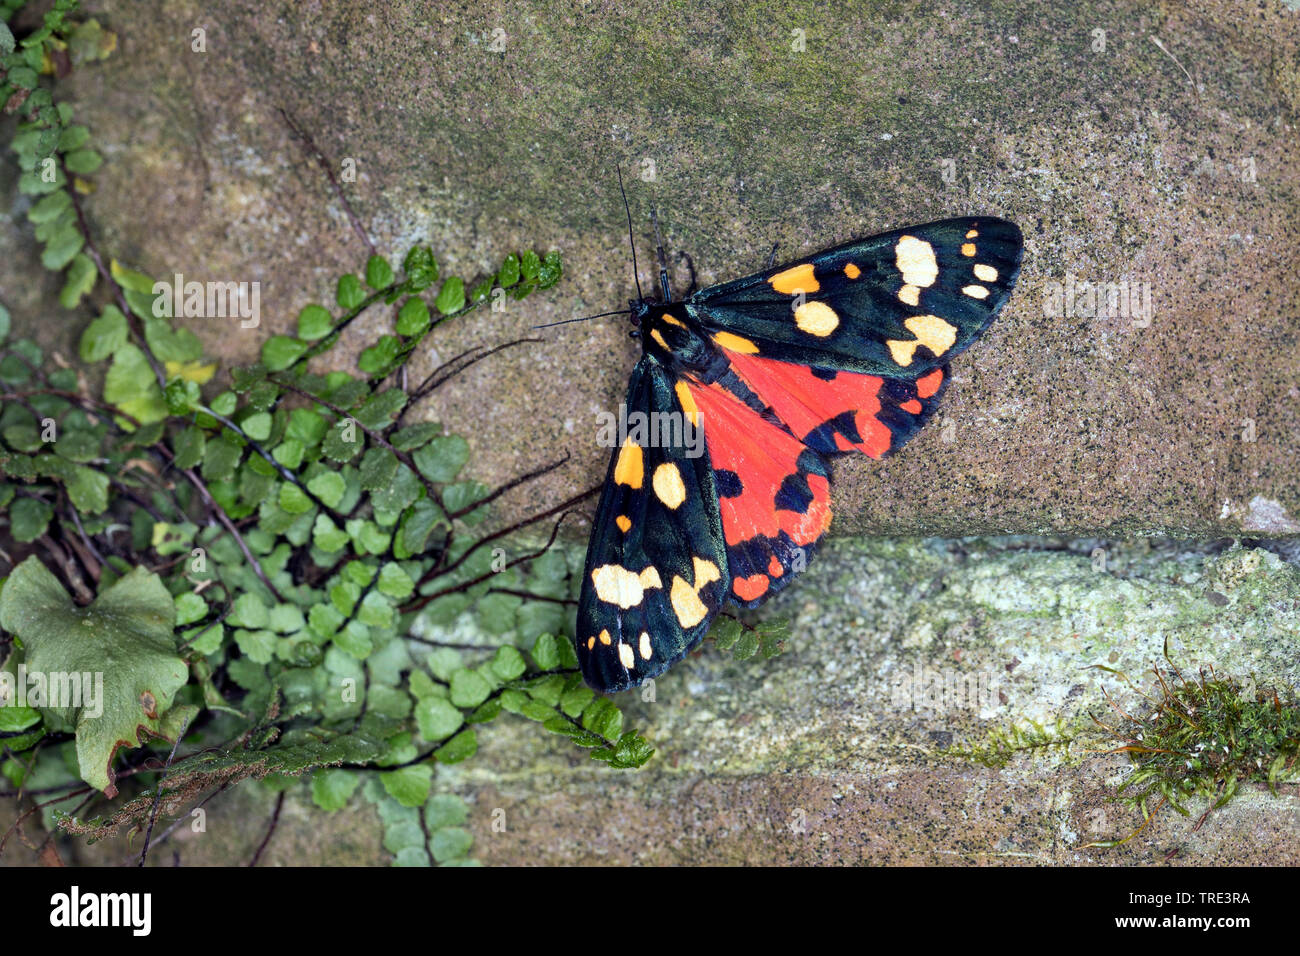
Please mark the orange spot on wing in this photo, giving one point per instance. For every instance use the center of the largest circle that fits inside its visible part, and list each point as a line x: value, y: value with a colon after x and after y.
x: 774, y: 567
x: 912, y: 405
x: 750, y: 588
x: 928, y: 384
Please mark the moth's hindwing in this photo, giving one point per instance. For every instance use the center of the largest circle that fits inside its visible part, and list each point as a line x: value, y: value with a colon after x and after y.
x: 774, y: 494
x: 895, y: 305
x: 656, y: 570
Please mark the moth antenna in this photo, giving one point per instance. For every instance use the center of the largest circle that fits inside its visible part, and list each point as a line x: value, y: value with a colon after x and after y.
x: 630, y: 241
x: 584, y: 318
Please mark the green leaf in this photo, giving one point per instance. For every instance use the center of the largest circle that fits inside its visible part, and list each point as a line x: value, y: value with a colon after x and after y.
x: 61, y: 248
x: 349, y: 293
x: 293, y: 500
x: 420, y: 267
x: 395, y: 582
x: 83, y: 162
x: 80, y: 280
x: 630, y: 752
x: 328, y: 536
x: 329, y: 487
x: 129, y: 624
x: 508, y: 663
x: 551, y: 271
x: 190, y: 607
x: 49, y: 208
x: 450, y: 843
x: 28, y: 519
x: 546, y: 652
x: 443, y: 810
x: 451, y: 297
x: 257, y: 426
x: 509, y: 273
x: 314, y: 322
x: 379, y: 358
x: 437, y: 718
x: 129, y: 279
x: 104, y: 336
x: 331, y: 789
x: 131, y: 386
x: 530, y: 265
x: 412, y: 317
x: 73, y: 137
x: 468, y: 688
x: 442, y: 459
x: 461, y: 747
x: 379, y: 274
x: 257, y: 646
x: 603, y: 718
x: 409, y: 786
x: 413, y: 436
x: 281, y: 351
x: 88, y: 490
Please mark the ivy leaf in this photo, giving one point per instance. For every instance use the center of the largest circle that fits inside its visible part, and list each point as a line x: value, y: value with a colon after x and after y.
x: 124, y: 638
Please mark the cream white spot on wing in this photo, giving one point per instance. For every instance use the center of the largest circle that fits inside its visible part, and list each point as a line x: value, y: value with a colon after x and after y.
x: 615, y: 584
x: 668, y: 485
x: 915, y: 260
x: 816, y: 318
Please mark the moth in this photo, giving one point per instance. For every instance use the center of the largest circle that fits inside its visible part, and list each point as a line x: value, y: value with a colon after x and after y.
x: 845, y: 351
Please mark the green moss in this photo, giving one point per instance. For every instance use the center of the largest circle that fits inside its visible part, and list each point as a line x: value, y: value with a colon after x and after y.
x: 1201, y: 738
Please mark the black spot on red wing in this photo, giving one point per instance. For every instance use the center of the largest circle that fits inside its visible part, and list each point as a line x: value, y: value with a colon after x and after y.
x: 826, y: 374
x: 794, y: 494
x: 812, y: 463
x: 728, y: 483
x: 897, y: 390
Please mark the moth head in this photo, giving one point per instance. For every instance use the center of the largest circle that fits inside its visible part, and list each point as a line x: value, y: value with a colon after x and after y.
x: 638, y: 309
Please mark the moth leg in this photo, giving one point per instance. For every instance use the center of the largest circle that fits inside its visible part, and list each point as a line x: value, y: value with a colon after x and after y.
x: 771, y: 259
